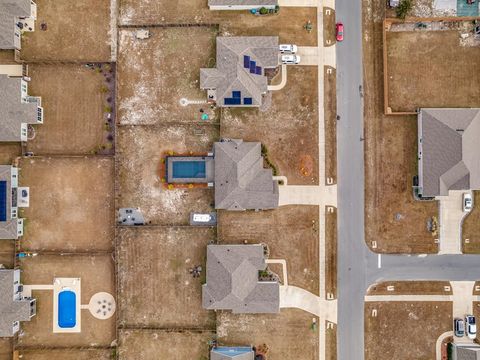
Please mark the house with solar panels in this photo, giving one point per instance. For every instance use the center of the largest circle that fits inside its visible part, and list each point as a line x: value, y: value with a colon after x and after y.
x: 239, y: 79
x: 11, y: 198
x: 241, y: 4
x: 16, y: 16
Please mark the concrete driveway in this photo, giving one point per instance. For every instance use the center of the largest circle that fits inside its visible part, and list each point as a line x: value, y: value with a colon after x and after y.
x: 308, y: 55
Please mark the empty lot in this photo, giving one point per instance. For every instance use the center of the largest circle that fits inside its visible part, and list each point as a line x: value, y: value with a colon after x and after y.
x: 73, y: 104
x: 71, y: 203
x: 169, y: 297
x: 75, y: 31
x: 289, y: 128
x: 139, y: 155
x: 291, y: 233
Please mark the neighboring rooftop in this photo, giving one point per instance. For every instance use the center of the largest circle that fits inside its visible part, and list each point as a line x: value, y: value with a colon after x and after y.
x: 449, y: 150
x: 11, y: 310
x: 239, y: 78
x: 232, y: 353
x: 10, y: 10
x: 13, y: 111
x: 242, y: 3
x: 241, y: 181
x: 233, y: 280
x: 466, y: 352
x: 8, y: 226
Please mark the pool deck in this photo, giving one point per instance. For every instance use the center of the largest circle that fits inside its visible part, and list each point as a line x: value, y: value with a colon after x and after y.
x: 209, y: 170
x: 72, y: 284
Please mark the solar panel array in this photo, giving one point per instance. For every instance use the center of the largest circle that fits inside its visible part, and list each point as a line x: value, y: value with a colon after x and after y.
x: 248, y: 63
x: 3, y: 200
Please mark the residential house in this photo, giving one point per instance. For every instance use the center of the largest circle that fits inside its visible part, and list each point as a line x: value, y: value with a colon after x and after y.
x: 11, y: 198
x: 232, y: 353
x: 241, y: 4
x: 233, y: 280
x: 465, y: 351
x: 239, y: 79
x: 15, y: 16
x: 448, y: 151
x: 14, y: 306
x: 17, y: 109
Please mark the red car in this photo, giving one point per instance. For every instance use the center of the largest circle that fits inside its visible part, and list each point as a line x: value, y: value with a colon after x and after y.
x: 339, y: 28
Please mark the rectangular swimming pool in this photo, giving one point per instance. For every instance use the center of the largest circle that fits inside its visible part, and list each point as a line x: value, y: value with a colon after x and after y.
x: 67, y: 309
x: 188, y: 169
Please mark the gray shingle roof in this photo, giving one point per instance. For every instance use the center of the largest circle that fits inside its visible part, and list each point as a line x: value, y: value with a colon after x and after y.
x: 450, y: 150
x: 221, y: 353
x: 231, y: 75
x: 8, y: 229
x: 10, y: 310
x: 232, y: 280
x: 242, y: 2
x: 467, y: 352
x: 12, y: 111
x: 241, y: 182
x: 9, y: 11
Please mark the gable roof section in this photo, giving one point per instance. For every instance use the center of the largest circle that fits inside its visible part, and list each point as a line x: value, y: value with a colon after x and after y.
x: 232, y: 280
x: 9, y: 11
x: 232, y: 75
x: 450, y: 158
x: 241, y: 182
x: 467, y: 352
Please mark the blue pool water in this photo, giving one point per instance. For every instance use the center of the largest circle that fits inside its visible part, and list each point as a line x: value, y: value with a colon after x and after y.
x: 67, y: 309
x: 232, y: 351
x: 188, y: 169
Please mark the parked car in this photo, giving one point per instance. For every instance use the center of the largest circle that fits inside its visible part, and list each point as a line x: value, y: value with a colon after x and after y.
x: 339, y: 29
x: 471, y: 326
x: 470, y: 2
x: 467, y: 202
x: 459, y: 327
x: 288, y: 48
x: 290, y: 59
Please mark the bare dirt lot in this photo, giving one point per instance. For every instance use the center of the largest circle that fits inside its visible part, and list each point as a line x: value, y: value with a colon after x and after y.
x: 150, y: 344
x: 71, y: 203
x: 139, y: 153
x: 331, y: 249
x: 393, y: 218
x: 411, y: 288
x: 330, y: 120
x: 436, y: 61
x: 288, y: 335
x: 405, y: 330
x: 170, y: 297
x: 68, y: 354
x: 291, y: 233
x: 471, y: 228
x: 288, y: 24
x: 154, y: 74
x: 76, y: 31
x: 289, y: 128
x: 73, y: 100
x: 96, y: 273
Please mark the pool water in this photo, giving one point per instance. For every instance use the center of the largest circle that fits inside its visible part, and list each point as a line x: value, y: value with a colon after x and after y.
x: 232, y: 351
x: 67, y: 309
x: 188, y: 169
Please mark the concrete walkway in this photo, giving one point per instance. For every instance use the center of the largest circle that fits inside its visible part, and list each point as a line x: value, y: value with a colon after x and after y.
x: 451, y: 217
x: 308, y: 55
x: 438, y: 345
x: 283, y: 82
x: 282, y: 262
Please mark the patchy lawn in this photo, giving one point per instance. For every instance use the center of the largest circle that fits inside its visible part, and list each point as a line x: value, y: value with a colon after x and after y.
x: 411, y: 288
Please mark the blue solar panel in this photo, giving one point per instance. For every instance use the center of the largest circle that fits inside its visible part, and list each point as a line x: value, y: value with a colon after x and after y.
x: 253, y: 65
x: 3, y: 201
x: 232, y: 101
x: 258, y: 70
x: 236, y: 94
x: 246, y: 61
x: 247, y: 101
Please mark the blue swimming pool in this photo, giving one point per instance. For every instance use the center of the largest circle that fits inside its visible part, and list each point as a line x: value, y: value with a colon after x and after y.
x: 67, y: 310
x: 232, y: 351
x: 188, y: 169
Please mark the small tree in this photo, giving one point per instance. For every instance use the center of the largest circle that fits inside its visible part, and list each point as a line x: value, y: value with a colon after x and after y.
x: 263, y: 11
x: 404, y: 8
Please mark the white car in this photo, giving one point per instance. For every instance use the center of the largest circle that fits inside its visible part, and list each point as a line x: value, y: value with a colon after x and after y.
x: 467, y: 202
x: 287, y: 48
x: 205, y: 218
x: 290, y: 59
x: 471, y: 326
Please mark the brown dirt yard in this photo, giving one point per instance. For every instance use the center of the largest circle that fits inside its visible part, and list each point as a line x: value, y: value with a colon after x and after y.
x: 167, y: 253
x: 289, y: 128
x: 393, y: 218
x: 9, y: 152
x: 289, y: 334
x: 436, y: 61
x: 78, y: 31
x: 67, y: 354
x: 148, y: 344
x: 154, y: 74
x: 331, y: 342
x: 329, y: 28
x: 291, y: 233
x: 7, y: 253
x: 71, y: 203
x: 288, y: 24
x: 96, y: 273
x: 411, y: 288
x: 405, y: 330
x: 331, y: 250
x: 139, y: 153
x: 73, y: 104
x: 330, y: 121
x: 471, y: 227
x: 6, y: 348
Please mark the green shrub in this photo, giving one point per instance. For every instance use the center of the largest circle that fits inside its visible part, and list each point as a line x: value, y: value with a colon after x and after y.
x: 263, y: 11
x: 404, y: 8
